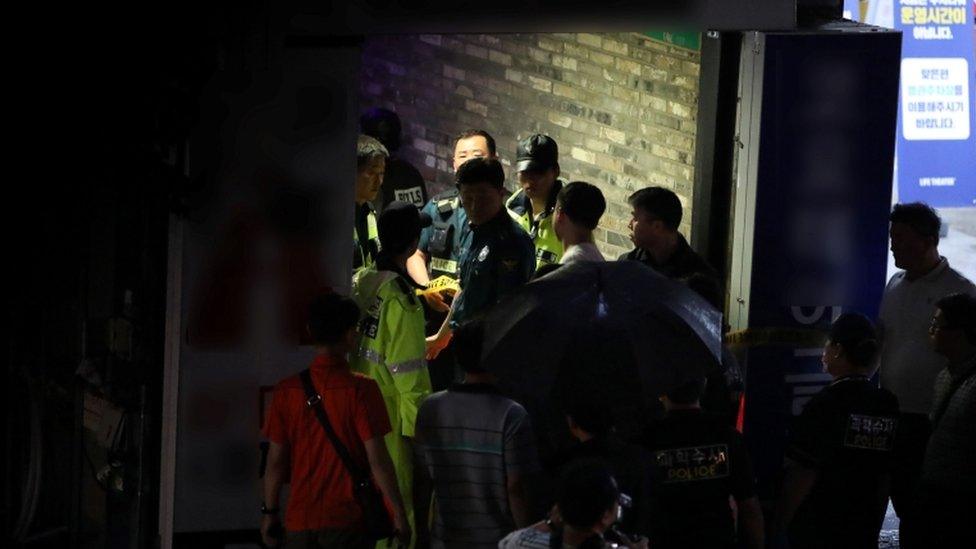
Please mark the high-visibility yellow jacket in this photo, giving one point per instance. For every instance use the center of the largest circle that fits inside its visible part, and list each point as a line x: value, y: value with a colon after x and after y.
x: 365, y: 250
x: 548, y: 248
x: 392, y: 352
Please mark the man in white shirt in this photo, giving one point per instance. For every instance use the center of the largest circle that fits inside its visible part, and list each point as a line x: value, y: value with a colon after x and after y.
x: 909, y: 366
x: 579, y: 207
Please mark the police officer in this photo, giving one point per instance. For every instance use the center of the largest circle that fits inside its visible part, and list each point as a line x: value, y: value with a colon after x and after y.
x: 537, y: 162
x: 371, y: 158
x: 698, y: 463
x: 391, y: 349
x: 835, y: 490
x: 497, y: 255
x: 439, y: 251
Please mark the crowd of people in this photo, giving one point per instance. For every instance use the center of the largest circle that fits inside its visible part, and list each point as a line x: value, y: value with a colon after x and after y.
x: 398, y: 405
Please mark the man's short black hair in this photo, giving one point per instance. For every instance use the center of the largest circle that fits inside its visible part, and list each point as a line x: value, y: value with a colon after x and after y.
x: 330, y: 316
x: 368, y: 148
x: 467, y: 343
x: 687, y: 393
x: 959, y: 312
x: 920, y: 217
x: 659, y: 203
x: 474, y: 133
x: 583, y: 203
x: 586, y: 491
x: 481, y: 170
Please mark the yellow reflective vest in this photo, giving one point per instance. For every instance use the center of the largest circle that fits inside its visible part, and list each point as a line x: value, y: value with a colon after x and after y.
x: 391, y: 351
x: 548, y: 248
x: 364, y: 252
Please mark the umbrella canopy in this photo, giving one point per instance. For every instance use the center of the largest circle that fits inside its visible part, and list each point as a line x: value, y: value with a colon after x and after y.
x: 618, y: 333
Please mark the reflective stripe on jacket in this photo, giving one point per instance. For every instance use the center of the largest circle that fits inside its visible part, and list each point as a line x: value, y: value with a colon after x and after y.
x: 364, y: 255
x: 392, y: 344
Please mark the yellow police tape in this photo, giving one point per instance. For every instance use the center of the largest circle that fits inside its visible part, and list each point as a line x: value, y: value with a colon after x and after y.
x: 789, y: 337
x: 442, y: 285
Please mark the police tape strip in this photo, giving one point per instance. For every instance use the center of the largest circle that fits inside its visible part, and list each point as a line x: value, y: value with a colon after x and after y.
x: 789, y: 337
x: 441, y: 284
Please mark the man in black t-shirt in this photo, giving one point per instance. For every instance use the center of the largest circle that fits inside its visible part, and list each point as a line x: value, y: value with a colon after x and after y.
x: 835, y: 490
x: 655, y: 217
x: 698, y: 463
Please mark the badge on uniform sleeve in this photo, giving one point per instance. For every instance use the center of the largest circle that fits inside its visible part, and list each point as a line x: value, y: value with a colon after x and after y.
x: 369, y: 326
x: 483, y: 254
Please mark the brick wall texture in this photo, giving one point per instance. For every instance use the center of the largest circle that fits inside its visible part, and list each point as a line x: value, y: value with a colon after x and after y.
x: 622, y: 107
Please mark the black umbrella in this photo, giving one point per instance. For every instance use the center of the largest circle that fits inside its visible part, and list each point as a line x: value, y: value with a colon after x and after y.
x: 617, y: 333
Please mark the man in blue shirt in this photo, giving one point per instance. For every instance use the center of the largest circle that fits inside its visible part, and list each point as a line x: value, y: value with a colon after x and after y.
x: 496, y: 254
x: 438, y: 252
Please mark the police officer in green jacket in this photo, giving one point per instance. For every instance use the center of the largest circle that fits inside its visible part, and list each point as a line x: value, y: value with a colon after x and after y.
x: 392, y: 344
x: 371, y: 158
x: 537, y: 162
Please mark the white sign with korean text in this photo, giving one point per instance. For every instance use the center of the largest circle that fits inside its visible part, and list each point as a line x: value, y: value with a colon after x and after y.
x: 935, y: 98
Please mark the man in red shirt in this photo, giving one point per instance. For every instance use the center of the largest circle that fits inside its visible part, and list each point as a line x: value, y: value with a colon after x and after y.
x: 322, y: 511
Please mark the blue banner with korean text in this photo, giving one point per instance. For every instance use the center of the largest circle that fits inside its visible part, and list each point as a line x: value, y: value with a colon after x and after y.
x: 823, y: 183
x: 936, y: 147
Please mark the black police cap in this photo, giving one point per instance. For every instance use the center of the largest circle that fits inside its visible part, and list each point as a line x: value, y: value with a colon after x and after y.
x: 536, y: 153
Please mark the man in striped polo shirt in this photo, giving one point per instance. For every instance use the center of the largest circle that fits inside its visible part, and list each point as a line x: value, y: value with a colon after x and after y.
x: 473, y: 449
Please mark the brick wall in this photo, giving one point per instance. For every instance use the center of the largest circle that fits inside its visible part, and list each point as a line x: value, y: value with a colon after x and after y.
x: 622, y: 107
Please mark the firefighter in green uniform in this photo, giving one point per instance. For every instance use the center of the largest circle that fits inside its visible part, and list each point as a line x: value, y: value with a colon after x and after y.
x: 392, y: 345
x: 371, y: 158
x: 537, y: 162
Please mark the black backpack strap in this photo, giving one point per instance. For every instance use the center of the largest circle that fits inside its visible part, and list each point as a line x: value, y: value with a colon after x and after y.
x: 314, y: 401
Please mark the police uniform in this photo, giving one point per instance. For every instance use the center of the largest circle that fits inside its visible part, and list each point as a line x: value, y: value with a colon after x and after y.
x: 391, y: 351
x: 496, y: 258
x: 846, y: 434
x: 698, y: 461
x: 365, y: 237
x: 548, y: 248
x: 441, y: 242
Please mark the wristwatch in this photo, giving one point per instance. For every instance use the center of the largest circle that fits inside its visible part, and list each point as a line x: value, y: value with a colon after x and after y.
x: 266, y: 511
